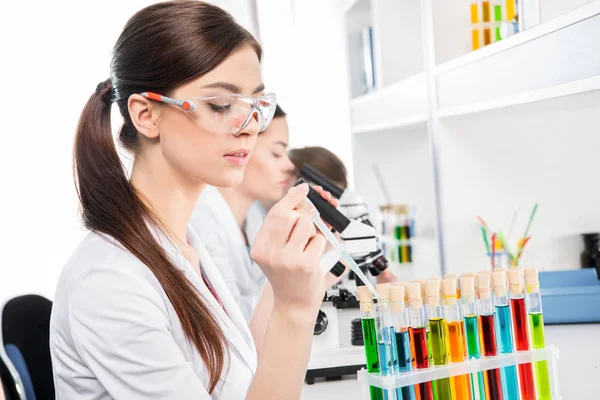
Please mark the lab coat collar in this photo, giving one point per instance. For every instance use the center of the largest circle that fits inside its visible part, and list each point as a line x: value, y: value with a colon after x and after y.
x: 230, y: 317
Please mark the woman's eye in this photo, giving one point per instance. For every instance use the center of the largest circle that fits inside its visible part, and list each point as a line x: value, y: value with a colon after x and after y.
x: 219, y: 108
x: 277, y: 155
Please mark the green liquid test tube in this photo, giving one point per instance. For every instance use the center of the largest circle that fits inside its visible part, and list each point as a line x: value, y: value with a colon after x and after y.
x: 369, y: 328
x: 536, y: 325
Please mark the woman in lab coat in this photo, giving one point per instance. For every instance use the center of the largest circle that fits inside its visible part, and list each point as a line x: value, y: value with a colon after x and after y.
x: 226, y: 219
x: 141, y: 311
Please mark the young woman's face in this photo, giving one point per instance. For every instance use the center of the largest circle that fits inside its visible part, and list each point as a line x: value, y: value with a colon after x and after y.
x: 191, y: 143
x: 268, y: 173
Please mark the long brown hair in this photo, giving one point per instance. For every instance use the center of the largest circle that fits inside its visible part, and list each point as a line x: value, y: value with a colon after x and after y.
x: 161, y: 47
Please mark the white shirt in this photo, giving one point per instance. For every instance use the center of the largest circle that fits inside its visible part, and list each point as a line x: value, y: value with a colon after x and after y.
x: 115, y: 334
x: 218, y: 230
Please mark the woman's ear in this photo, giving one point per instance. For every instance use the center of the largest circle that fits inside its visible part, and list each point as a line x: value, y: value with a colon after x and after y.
x: 143, y: 115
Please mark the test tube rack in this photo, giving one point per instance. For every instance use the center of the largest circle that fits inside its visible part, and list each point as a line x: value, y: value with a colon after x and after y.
x: 416, y: 376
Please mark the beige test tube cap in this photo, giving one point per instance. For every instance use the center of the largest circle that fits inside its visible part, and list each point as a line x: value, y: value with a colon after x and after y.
x: 397, y: 293
x: 515, y: 280
x: 414, y: 295
x: 499, y: 282
x: 449, y: 290
x: 364, y: 294
x: 483, y: 286
x: 467, y: 288
x: 383, y: 290
x: 532, y: 283
x: 432, y: 292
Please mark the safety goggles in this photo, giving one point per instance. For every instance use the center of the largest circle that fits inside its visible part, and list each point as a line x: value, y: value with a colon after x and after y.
x: 230, y: 113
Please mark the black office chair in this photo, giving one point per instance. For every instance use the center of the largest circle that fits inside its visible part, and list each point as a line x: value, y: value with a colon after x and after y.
x: 26, y: 337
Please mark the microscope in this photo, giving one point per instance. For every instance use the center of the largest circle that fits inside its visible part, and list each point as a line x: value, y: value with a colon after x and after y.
x: 337, y: 344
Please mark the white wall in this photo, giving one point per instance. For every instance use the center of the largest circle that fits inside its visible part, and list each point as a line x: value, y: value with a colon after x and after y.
x: 54, y: 53
x: 543, y: 152
x: 403, y: 157
x: 305, y: 64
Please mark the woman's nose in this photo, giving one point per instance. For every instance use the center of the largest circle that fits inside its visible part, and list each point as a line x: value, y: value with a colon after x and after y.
x: 247, y: 125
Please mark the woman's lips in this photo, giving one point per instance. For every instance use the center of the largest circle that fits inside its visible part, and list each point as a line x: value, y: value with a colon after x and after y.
x: 239, y: 157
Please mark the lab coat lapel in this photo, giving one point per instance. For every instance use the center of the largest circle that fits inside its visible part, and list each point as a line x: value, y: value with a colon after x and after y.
x: 236, y: 329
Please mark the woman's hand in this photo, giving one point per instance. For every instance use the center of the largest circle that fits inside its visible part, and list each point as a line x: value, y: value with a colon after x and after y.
x: 288, y: 249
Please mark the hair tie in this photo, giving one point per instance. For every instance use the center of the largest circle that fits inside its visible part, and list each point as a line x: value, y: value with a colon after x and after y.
x: 106, y: 92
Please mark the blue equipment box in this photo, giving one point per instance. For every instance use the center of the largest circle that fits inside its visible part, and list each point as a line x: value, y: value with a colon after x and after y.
x: 570, y: 296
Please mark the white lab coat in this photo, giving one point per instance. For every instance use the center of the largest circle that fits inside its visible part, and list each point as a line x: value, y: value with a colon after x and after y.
x: 115, y: 334
x: 218, y: 230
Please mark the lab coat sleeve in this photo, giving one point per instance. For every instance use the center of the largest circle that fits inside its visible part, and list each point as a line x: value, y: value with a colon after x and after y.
x: 121, y: 329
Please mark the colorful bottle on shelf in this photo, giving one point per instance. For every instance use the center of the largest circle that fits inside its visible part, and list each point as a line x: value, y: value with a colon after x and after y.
x: 386, y: 339
x: 419, y: 331
x: 488, y: 330
x: 470, y: 312
x: 519, y: 316
x: 437, y: 327
x: 460, y: 385
x: 401, y: 334
x: 536, y: 325
x: 475, y: 25
x: 370, y: 328
x: 486, y: 17
x: 510, y: 382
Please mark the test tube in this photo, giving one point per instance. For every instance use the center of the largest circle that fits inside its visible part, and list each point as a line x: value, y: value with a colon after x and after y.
x: 386, y: 339
x: 402, y: 336
x: 488, y: 330
x: 419, y: 332
x: 536, y: 324
x: 470, y: 312
x: 369, y: 328
x: 461, y: 385
x: 437, y: 327
x: 505, y: 334
x: 519, y: 314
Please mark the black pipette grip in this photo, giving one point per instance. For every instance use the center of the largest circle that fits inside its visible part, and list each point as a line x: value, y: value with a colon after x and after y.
x: 310, y: 174
x: 328, y: 212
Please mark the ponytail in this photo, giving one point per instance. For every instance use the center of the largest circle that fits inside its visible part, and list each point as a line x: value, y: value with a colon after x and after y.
x: 110, y: 205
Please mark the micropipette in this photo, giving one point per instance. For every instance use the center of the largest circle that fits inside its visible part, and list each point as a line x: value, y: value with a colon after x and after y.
x: 316, y: 218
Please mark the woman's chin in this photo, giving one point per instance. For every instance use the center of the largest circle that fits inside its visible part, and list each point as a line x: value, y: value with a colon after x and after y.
x: 227, y: 179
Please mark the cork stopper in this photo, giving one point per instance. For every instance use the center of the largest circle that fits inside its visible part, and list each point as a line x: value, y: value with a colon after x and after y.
x: 421, y: 283
x: 397, y: 292
x: 383, y: 290
x: 499, y: 282
x: 471, y: 274
x: 515, y: 280
x: 432, y: 292
x: 397, y: 296
x: 485, y: 271
x: 450, y: 276
x: 483, y: 285
x: 532, y: 283
x: 414, y: 295
x: 449, y: 290
x: 405, y: 284
x: 467, y: 288
x: 364, y: 294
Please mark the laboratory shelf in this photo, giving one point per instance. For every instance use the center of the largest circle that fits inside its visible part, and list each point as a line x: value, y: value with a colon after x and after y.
x: 400, y: 105
x: 554, y: 59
